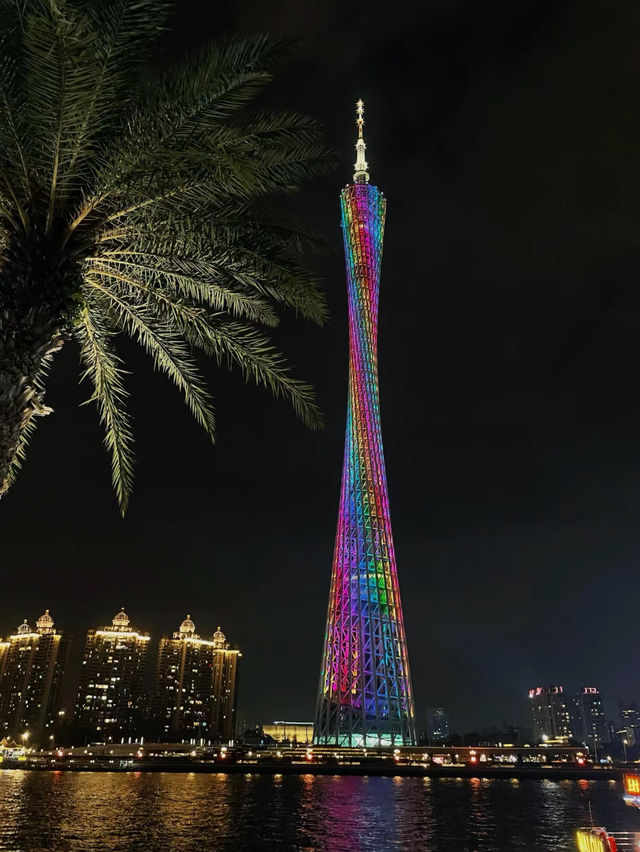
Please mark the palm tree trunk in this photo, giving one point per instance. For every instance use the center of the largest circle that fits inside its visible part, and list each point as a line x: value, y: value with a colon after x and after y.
x: 27, y: 342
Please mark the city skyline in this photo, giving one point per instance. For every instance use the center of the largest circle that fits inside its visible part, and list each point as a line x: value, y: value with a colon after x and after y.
x: 120, y: 682
x: 584, y: 715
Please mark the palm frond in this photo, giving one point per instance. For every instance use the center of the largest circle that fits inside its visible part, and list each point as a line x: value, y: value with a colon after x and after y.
x: 135, y: 201
x: 165, y: 346
x: 186, y: 278
x: 15, y: 175
x: 191, y: 102
x: 257, y: 358
x: 104, y: 369
x: 30, y: 426
x: 21, y: 451
x: 229, y: 343
x: 125, y: 30
x: 59, y: 51
x: 251, y: 256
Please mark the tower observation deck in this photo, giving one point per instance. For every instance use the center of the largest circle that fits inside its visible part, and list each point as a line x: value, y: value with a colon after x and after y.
x: 365, y: 696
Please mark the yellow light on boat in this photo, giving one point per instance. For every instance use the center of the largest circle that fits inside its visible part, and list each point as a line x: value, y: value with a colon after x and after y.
x: 594, y: 840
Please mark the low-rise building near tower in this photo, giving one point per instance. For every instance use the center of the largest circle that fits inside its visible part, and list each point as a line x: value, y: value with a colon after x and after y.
x: 110, y: 704
x: 31, y: 668
x: 196, y: 686
x: 437, y: 725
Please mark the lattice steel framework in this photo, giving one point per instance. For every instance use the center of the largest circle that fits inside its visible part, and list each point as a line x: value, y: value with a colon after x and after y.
x: 365, y: 696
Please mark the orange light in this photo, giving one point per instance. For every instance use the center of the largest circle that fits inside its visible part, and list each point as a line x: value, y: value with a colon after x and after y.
x: 474, y: 759
x: 631, y: 784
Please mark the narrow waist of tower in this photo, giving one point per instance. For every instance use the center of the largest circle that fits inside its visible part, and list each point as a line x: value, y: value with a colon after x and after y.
x: 363, y: 215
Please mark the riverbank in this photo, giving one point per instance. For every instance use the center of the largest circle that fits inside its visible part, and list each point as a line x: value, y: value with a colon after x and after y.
x: 557, y: 773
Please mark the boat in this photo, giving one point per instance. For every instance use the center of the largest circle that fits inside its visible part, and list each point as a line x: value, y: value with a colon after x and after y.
x: 597, y: 839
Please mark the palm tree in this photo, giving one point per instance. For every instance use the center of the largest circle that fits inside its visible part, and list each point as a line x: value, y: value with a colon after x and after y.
x: 136, y: 202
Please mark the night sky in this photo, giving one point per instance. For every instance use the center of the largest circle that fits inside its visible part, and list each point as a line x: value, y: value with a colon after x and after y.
x: 506, y: 138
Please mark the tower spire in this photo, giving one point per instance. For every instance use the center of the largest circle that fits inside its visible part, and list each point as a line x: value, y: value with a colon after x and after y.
x: 361, y: 175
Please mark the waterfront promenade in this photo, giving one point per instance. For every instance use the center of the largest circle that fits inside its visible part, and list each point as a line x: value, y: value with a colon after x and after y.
x: 434, y: 762
x: 561, y: 773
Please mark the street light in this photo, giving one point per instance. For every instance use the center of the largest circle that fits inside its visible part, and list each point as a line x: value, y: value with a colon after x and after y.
x: 625, y: 743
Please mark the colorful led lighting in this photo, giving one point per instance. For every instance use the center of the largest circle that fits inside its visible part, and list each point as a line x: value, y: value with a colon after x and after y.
x: 365, y: 696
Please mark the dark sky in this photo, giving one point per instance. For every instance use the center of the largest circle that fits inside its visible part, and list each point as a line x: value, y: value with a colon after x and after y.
x: 506, y: 138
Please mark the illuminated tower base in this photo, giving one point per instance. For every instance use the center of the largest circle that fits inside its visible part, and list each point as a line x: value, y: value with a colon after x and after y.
x: 365, y: 696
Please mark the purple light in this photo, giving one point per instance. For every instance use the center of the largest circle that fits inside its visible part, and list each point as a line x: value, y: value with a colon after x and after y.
x: 365, y: 695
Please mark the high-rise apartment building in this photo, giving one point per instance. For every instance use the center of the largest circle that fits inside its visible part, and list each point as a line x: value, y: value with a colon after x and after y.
x: 31, y: 667
x: 196, y: 687
x: 110, y: 703
x: 225, y: 688
x: 590, y: 725
x: 551, y: 712
x: 630, y: 727
x: 437, y: 725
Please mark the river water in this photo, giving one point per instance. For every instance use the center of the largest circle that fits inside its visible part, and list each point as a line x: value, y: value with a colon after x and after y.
x: 165, y: 812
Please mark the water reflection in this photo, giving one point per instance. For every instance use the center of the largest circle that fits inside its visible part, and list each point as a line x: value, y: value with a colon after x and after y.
x: 165, y: 812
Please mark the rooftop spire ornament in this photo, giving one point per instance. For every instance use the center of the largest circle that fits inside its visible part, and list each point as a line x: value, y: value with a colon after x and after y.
x: 365, y: 696
x: 361, y: 175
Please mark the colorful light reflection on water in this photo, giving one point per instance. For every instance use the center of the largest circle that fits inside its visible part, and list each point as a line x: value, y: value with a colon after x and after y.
x: 165, y: 812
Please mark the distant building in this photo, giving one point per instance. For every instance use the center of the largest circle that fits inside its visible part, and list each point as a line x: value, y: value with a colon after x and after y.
x: 110, y: 702
x: 182, y: 693
x: 225, y: 688
x: 296, y: 733
x: 31, y: 667
x: 630, y: 727
x: 590, y: 721
x: 437, y: 725
x: 551, y: 711
x: 612, y: 731
x: 196, y: 686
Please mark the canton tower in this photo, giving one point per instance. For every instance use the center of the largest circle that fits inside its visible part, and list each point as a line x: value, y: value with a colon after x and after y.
x: 365, y: 696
